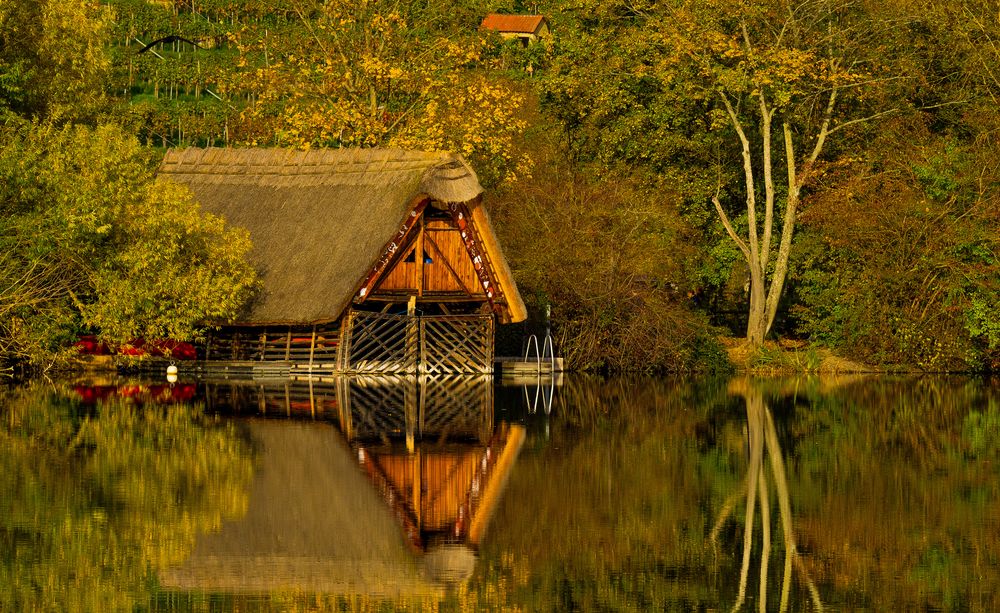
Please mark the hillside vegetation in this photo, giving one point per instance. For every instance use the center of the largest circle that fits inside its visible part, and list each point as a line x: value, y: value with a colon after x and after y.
x: 662, y: 173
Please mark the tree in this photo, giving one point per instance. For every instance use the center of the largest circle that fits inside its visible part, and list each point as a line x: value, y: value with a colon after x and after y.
x: 367, y: 74
x: 52, y: 57
x: 90, y: 240
x: 700, y: 82
x: 608, y: 257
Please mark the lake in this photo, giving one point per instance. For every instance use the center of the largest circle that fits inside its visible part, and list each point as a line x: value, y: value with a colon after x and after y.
x: 382, y: 494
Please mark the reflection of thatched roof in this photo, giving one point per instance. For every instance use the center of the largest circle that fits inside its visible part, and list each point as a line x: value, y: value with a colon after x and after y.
x: 314, y: 523
x: 320, y: 219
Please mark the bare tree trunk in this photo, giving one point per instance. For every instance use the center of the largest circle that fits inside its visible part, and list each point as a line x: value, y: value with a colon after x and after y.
x: 754, y: 474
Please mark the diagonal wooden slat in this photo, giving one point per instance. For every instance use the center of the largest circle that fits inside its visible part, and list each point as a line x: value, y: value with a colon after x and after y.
x: 456, y: 344
x: 382, y: 343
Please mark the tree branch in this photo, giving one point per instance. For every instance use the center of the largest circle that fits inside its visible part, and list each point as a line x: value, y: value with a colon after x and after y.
x: 729, y: 228
x: 749, y: 182
x: 766, y: 115
x: 861, y: 120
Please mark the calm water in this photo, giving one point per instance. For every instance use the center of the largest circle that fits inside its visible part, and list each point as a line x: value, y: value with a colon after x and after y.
x: 649, y: 494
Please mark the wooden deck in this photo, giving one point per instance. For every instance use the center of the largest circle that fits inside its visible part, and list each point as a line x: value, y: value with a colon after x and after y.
x: 518, y: 371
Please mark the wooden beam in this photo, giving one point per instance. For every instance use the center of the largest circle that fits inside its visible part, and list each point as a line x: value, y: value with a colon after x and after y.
x: 496, y: 483
x: 341, y: 359
x: 312, y: 349
x: 480, y: 258
x: 418, y: 257
x: 312, y: 398
x: 393, y: 249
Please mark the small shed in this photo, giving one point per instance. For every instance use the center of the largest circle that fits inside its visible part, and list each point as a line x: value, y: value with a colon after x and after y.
x: 372, y: 260
x: 526, y: 28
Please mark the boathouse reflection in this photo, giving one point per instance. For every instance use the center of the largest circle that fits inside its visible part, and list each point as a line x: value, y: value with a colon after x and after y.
x: 380, y: 486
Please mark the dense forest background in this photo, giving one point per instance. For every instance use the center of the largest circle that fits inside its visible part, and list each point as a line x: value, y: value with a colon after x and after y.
x: 662, y: 173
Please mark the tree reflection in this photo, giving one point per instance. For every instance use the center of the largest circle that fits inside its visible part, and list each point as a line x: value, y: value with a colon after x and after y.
x: 763, y: 439
x: 97, y: 497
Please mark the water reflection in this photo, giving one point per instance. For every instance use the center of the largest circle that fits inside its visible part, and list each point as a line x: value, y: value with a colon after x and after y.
x: 644, y: 494
x: 762, y: 440
x: 881, y: 494
x: 384, y: 490
x: 97, y: 496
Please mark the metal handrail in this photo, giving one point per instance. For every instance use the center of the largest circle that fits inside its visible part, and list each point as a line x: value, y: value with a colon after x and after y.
x: 548, y: 350
x: 538, y: 356
x: 550, y: 347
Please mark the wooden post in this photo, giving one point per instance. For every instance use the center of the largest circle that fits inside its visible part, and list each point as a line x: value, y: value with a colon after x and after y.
x: 418, y: 499
x: 411, y: 418
x: 413, y: 332
x: 418, y: 257
x: 263, y: 344
x: 344, y: 407
x: 312, y: 349
x: 344, y: 347
x: 312, y: 398
x: 288, y: 345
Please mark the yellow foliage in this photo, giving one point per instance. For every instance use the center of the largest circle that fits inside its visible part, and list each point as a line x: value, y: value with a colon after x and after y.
x: 363, y: 79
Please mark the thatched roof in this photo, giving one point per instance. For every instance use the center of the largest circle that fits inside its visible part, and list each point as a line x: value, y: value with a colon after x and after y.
x: 320, y: 219
x: 314, y: 523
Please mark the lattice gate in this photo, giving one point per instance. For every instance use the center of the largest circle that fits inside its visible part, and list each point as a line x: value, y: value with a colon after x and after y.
x: 382, y: 343
x: 456, y: 344
x: 379, y: 407
x: 457, y: 406
x: 379, y: 343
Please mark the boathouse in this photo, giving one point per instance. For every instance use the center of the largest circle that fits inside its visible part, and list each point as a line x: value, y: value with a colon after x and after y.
x: 371, y: 260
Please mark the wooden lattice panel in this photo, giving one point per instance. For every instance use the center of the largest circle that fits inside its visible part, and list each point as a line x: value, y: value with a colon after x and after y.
x: 381, y: 343
x: 429, y: 408
x: 319, y: 344
x: 379, y: 406
x: 459, y: 406
x: 456, y: 344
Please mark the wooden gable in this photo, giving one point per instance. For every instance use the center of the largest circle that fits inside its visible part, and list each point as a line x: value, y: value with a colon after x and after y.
x: 433, y: 264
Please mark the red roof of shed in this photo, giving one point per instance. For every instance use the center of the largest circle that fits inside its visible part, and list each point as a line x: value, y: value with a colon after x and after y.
x: 527, y: 24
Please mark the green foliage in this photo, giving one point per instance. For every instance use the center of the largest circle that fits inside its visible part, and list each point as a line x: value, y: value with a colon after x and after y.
x: 608, y: 257
x: 52, y: 58
x: 320, y: 74
x: 767, y: 358
x: 97, y: 499
x: 91, y: 241
x: 913, y: 281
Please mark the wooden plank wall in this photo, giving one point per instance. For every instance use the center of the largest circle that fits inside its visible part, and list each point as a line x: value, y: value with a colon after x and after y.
x: 449, y: 271
x: 452, y: 269
x: 318, y: 344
